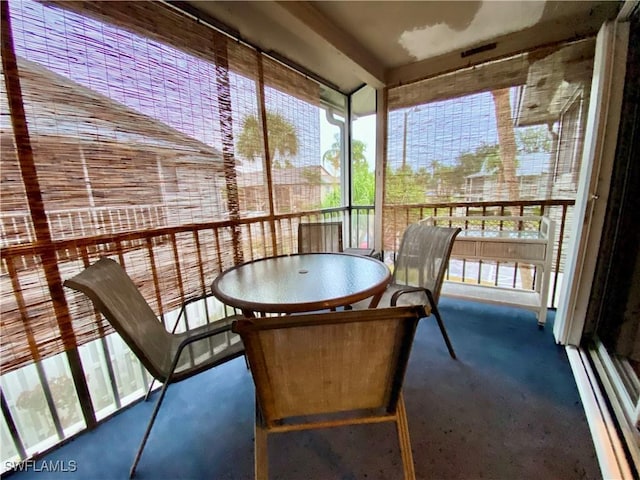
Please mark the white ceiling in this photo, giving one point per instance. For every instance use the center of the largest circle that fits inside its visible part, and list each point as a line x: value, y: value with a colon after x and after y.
x: 350, y: 43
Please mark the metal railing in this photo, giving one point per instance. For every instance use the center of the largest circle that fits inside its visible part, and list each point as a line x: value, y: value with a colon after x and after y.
x: 40, y: 403
x: 559, y: 211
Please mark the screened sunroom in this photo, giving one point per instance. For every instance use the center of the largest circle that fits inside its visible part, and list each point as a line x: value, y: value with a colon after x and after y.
x: 184, y: 138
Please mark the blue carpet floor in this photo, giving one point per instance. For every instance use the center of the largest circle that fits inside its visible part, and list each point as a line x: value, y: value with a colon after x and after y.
x: 508, y: 408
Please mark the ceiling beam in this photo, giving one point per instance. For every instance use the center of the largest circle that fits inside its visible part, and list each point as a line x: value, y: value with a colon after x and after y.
x: 367, y: 66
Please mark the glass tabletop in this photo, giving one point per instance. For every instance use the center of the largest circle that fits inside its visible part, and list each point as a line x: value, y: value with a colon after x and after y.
x: 302, y: 282
x: 502, y: 234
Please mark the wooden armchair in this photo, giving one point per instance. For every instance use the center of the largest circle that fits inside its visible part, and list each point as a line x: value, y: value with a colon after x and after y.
x: 308, y: 368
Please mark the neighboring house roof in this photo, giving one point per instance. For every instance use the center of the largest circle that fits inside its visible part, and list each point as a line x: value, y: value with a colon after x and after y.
x: 59, y: 107
x: 289, y: 176
x: 529, y: 164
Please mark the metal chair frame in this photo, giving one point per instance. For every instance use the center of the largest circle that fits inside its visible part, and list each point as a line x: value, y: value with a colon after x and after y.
x: 424, y: 253
x: 110, y: 289
x: 319, y: 237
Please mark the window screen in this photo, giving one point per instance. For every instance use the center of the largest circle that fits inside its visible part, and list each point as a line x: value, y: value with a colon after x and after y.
x: 502, y: 131
x: 138, y: 126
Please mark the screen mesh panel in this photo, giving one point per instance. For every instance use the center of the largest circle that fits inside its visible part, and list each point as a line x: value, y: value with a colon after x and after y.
x: 508, y: 130
x: 141, y: 139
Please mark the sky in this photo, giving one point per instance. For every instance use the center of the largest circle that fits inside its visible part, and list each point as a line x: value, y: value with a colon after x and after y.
x: 441, y: 131
x: 363, y: 129
x: 438, y: 131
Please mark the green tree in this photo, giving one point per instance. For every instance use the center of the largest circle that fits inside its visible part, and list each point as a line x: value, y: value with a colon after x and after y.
x: 363, y: 180
x: 333, y: 156
x: 533, y: 139
x: 469, y: 163
x: 403, y: 186
x: 432, y: 177
x: 331, y: 199
x: 281, y: 134
x: 446, y: 182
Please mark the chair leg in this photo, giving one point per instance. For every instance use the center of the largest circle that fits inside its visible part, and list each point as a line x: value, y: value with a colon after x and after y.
x: 403, y: 438
x: 132, y: 472
x: 436, y: 313
x: 146, y: 397
x: 261, y: 461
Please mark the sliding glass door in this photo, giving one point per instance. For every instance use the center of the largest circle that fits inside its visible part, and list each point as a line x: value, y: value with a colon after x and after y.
x: 612, y: 332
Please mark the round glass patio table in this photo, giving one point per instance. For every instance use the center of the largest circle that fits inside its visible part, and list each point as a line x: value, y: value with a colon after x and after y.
x: 302, y: 283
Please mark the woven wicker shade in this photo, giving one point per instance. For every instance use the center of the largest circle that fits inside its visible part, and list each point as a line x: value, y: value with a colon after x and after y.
x: 130, y: 148
x: 506, y: 130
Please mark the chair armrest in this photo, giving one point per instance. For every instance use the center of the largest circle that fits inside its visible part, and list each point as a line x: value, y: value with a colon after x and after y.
x: 189, y: 301
x: 197, y: 334
x: 183, y: 307
x: 208, y: 330
x: 402, y: 291
x: 428, y: 293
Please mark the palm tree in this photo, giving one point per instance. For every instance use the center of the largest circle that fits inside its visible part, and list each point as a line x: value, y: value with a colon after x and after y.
x: 333, y: 156
x: 281, y: 134
x: 507, y: 141
x: 363, y: 180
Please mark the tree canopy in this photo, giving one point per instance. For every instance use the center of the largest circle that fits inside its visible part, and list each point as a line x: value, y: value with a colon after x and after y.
x: 437, y: 180
x: 363, y: 180
x: 533, y: 139
x: 281, y: 134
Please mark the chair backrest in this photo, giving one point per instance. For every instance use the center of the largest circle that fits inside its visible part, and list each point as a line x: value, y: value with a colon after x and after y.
x: 332, y: 362
x: 320, y: 237
x: 423, y: 256
x: 115, y: 296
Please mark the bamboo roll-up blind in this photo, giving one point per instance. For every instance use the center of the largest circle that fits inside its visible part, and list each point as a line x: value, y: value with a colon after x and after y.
x: 508, y: 72
x: 506, y: 130
x: 293, y: 127
x: 286, y: 80
x: 137, y: 120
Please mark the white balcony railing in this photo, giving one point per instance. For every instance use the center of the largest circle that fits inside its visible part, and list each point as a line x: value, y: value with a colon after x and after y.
x: 16, y: 228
